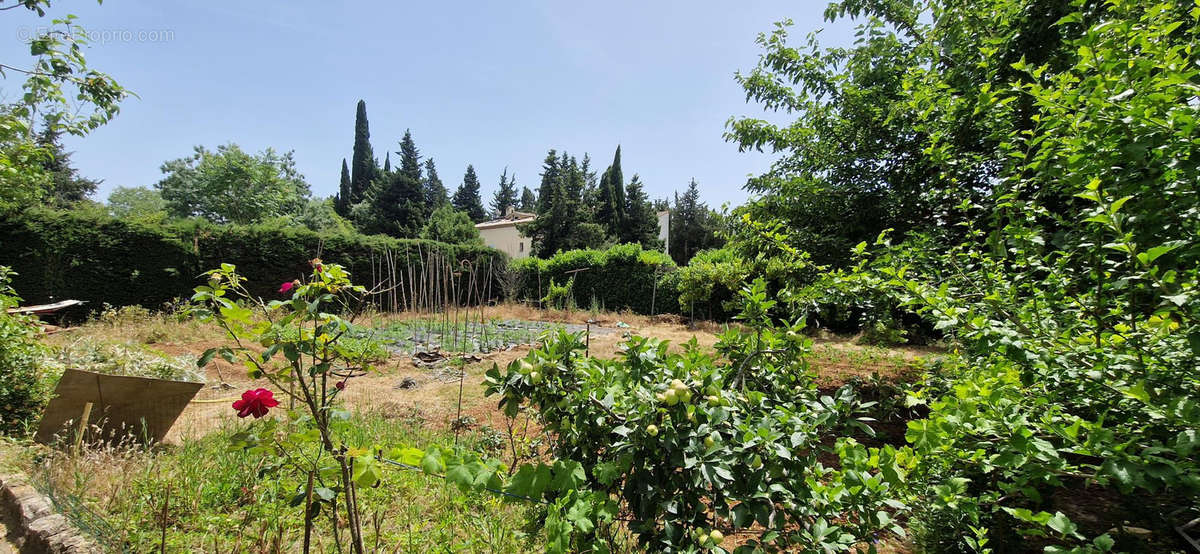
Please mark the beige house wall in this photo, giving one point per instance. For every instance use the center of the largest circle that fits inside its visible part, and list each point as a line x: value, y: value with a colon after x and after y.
x: 507, y: 239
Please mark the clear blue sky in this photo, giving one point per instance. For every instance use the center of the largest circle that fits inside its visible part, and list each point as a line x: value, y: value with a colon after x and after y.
x: 492, y: 84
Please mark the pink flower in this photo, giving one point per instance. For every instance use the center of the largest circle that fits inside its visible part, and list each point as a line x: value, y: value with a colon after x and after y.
x: 255, y: 402
x: 286, y: 287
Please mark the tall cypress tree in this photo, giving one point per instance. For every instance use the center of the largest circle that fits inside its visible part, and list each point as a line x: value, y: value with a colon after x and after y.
x: 436, y: 195
x: 341, y: 202
x: 616, y: 192
x: 506, y: 195
x: 466, y: 198
x: 387, y: 163
x: 528, y: 200
x: 363, y: 166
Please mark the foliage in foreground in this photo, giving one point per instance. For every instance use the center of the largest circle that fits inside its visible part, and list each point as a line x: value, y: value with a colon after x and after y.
x: 119, y: 494
x: 24, y: 388
x: 1049, y: 155
x: 693, y: 446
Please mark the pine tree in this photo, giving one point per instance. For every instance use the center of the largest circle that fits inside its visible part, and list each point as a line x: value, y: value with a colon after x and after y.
x: 436, y: 195
x: 363, y: 165
x: 641, y: 223
x: 397, y: 205
x: 693, y: 226
x: 387, y: 163
x: 506, y: 195
x: 66, y: 186
x: 410, y: 158
x: 550, y: 174
x: 528, y: 200
x: 466, y: 198
x: 341, y: 202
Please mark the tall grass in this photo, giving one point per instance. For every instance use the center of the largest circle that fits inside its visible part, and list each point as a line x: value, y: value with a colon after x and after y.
x: 211, y: 498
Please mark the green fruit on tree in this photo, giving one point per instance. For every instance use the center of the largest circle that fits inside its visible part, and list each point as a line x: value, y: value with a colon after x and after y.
x: 709, y: 441
x: 756, y: 462
x: 670, y: 397
x: 652, y: 430
x: 714, y: 400
x: 685, y: 396
x: 525, y: 367
x: 677, y: 384
x: 716, y: 536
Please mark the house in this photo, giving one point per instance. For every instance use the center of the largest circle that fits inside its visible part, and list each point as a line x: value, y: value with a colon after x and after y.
x: 503, y: 235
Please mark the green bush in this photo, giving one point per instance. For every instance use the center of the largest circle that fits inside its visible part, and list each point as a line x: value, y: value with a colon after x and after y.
x: 622, y: 277
x: 24, y: 387
x: 92, y: 257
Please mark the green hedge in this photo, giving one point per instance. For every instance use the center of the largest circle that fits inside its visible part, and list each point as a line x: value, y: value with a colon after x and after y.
x: 63, y: 254
x: 622, y: 277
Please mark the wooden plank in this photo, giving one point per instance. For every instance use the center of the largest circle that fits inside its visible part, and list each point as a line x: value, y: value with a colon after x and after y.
x: 126, y: 408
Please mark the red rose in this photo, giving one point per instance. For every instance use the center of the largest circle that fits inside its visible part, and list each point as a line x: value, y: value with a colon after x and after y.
x: 286, y: 287
x: 255, y: 402
x: 340, y: 384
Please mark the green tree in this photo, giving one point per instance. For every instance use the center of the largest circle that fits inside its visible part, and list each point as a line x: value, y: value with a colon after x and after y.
x: 550, y: 179
x: 387, y: 163
x: 363, y: 168
x: 641, y: 223
x: 342, y: 202
x: 693, y: 226
x: 449, y: 225
x: 66, y: 186
x: 611, y: 210
x: 397, y: 206
x: 528, y: 200
x: 467, y: 199
x: 410, y: 157
x: 436, y: 195
x: 137, y: 203
x: 229, y: 185
x: 506, y: 195
x: 60, y: 92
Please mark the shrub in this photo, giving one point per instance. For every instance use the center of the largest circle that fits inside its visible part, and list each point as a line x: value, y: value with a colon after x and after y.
x: 102, y: 260
x: 622, y: 277
x: 24, y: 386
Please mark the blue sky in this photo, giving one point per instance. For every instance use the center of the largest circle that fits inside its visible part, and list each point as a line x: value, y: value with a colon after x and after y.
x: 492, y: 84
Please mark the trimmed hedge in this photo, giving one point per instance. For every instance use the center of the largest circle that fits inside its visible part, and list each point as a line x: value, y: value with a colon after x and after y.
x: 622, y: 277
x: 63, y: 254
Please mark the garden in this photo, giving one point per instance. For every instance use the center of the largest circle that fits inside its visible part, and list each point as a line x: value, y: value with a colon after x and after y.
x: 959, y: 312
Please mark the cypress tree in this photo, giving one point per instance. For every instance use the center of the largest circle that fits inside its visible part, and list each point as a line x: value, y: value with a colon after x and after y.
x: 436, y: 195
x: 341, y: 202
x: 506, y: 195
x: 363, y: 166
x: 616, y: 193
x: 466, y: 198
x: 528, y: 200
x: 387, y: 163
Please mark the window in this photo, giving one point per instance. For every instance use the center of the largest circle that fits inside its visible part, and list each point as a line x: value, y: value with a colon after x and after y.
x: 520, y: 247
